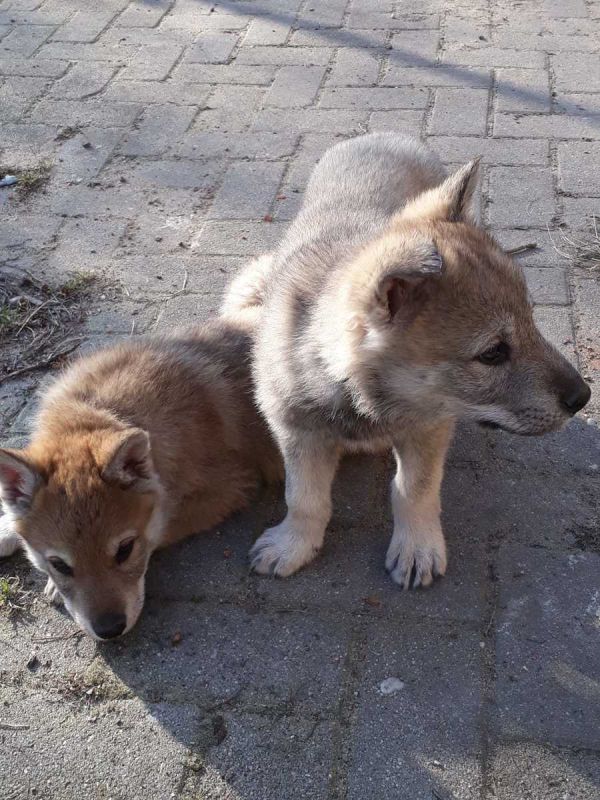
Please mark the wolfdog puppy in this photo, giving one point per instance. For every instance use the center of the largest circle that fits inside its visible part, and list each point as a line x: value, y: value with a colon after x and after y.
x: 389, y: 313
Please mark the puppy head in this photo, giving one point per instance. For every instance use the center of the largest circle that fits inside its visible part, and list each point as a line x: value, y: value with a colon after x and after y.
x: 447, y: 324
x: 88, y: 510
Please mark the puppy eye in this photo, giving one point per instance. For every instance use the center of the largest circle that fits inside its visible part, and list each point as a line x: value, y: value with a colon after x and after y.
x: 124, y: 551
x: 61, y: 566
x: 498, y: 354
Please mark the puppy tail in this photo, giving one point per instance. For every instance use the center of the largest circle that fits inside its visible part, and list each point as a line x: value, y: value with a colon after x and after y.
x: 245, y: 295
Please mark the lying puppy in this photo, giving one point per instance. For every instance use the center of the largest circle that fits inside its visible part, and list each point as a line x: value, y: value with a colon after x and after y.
x: 135, y: 447
x: 388, y: 313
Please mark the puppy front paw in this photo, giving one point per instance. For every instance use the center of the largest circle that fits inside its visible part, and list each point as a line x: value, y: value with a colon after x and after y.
x: 52, y: 593
x: 414, y: 558
x: 10, y: 541
x: 282, y: 550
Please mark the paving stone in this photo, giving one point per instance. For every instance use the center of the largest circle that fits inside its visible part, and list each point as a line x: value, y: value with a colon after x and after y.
x: 437, y: 75
x: 459, y: 111
x: 547, y: 252
x: 410, y: 123
x: 493, y: 57
x: 310, y: 120
x: 529, y: 770
x: 33, y: 67
x: 152, y: 63
x: 149, y: 92
x: 342, y: 38
x: 83, y: 155
x: 211, y: 48
x: 403, y: 733
x: 579, y: 213
x: 264, y: 144
x: 459, y: 149
x: 573, y: 71
x: 556, y: 326
x: 84, y: 26
x: 238, y: 238
x: 226, y: 74
x: 267, y: 32
x: 288, y: 56
x: 142, y: 15
x: 157, y: 130
x: 531, y: 197
x: 248, y: 190
x: 414, y: 48
x: 547, y: 678
x: 82, y: 81
x: 522, y: 90
x: 547, y: 126
x: 579, y: 170
x: 353, y: 67
x: 576, y: 103
x: 94, y: 112
x: 587, y: 329
x: 17, y: 95
x: 295, y: 87
x: 117, y: 52
x: 24, y: 40
x: 375, y: 98
x: 547, y: 286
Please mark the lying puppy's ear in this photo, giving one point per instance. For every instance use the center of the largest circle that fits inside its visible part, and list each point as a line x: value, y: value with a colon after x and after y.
x: 453, y: 200
x: 127, y: 461
x: 403, y: 288
x: 19, y: 482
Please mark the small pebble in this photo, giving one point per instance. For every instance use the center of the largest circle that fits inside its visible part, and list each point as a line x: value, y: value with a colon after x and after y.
x: 391, y: 686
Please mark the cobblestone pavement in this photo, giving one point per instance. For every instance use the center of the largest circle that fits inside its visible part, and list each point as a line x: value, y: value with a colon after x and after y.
x: 181, y: 134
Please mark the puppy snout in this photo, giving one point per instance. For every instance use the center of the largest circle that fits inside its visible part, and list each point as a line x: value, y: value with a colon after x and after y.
x: 574, y: 395
x: 109, y: 626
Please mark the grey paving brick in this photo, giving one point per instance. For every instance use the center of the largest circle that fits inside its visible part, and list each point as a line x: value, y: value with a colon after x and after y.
x: 267, y: 32
x: 230, y: 108
x: 459, y: 149
x: 522, y: 90
x: 493, y: 57
x: 158, y: 129
x: 547, y: 676
x: 564, y: 8
x: 437, y: 75
x: 295, y: 87
x: 17, y: 95
x: 82, y: 81
x: 546, y: 126
x: 547, y: 43
x: 579, y: 213
x: 152, y: 63
x: 29, y: 230
x: 82, y: 156
x: 237, y: 238
x: 409, y: 123
x: 84, y: 26
x: 284, y: 56
x: 533, y: 769
x: 556, y: 326
x: 459, y: 111
x: 142, y: 14
x: 403, y: 733
x: 547, y: 252
x: 32, y: 67
x: 414, y: 48
x: 324, y: 15
x: 211, y: 48
x: 310, y: 120
x: 377, y: 19
x: 354, y: 67
x: 265, y: 144
x: 161, y: 92
x: 340, y: 37
x: 587, y: 330
x: 374, y: 98
x: 577, y: 103
x: 226, y: 74
x: 574, y: 71
x: 248, y: 190
x: 531, y: 196
x: 547, y: 286
x: 579, y: 167
x: 28, y: 143
x: 118, y: 53
x: 24, y: 40
x: 92, y: 112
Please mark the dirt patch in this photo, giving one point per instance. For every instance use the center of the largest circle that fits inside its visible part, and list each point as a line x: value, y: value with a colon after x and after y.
x: 587, y: 537
x: 39, y: 321
x: 30, y: 179
x: 581, y: 249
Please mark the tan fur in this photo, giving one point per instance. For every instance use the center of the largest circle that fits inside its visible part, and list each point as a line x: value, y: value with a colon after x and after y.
x: 153, y: 438
x: 380, y: 307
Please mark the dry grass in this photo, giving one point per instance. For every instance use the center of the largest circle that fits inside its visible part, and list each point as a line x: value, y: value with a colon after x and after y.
x: 13, y: 597
x: 581, y: 249
x: 30, y: 179
x: 38, y: 321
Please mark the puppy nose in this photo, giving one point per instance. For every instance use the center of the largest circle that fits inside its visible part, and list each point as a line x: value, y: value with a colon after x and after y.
x: 575, y: 396
x: 109, y: 626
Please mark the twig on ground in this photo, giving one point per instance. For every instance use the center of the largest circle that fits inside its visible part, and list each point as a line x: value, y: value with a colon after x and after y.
x: 60, y: 638
x: 45, y: 362
x: 522, y: 248
x: 13, y: 726
x: 185, y: 281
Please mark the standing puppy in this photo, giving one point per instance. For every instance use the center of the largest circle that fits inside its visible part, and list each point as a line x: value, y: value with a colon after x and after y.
x: 135, y: 447
x: 388, y: 313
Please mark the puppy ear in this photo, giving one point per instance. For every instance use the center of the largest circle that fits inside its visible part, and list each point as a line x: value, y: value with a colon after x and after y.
x: 404, y: 288
x: 127, y: 461
x: 452, y: 200
x: 19, y: 482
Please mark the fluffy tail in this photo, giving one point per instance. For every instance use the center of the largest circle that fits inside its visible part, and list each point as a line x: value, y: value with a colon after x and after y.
x: 245, y: 295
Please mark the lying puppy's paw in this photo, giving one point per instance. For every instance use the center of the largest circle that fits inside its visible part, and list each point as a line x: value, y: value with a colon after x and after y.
x: 52, y: 593
x: 414, y: 558
x: 10, y: 542
x: 282, y: 550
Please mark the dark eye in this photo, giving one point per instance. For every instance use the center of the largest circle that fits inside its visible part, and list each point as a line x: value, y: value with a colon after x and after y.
x: 124, y: 551
x: 496, y: 355
x: 61, y: 566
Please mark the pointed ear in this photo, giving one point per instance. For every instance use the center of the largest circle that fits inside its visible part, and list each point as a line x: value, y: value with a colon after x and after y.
x: 403, y: 290
x: 453, y: 200
x: 127, y: 461
x: 19, y: 482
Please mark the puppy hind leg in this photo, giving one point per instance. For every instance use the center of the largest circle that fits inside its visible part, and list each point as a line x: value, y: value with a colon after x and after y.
x: 310, y: 467
x: 417, y: 551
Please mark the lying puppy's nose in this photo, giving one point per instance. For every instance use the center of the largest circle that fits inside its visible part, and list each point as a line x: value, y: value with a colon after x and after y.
x: 575, y: 395
x: 109, y: 626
